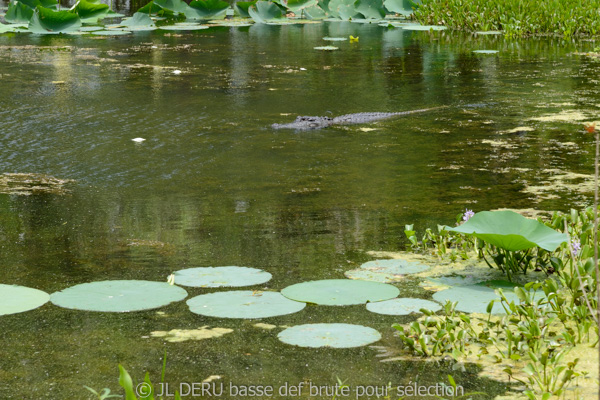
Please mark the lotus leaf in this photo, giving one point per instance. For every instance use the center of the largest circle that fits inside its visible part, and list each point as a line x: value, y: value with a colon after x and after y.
x: 263, y: 11
x: 9, y: 28
x: 183, y: 27
x: 138, y: 20
x: 112, y: 14
x: 315, y: 12
x: 178, y: 6
x: 221, y: 276
x: 511, y: 231
x: 15, y: 299
x: 18, y: 12
x: 47, y: 21
x: 326, y: 48
x: 475, y: 298
x: 403, y: 7
x: 298, y: 5
x: 89, y: 11
x: 242, y: 8
x: 485, y: 51
x: 371, y: 9
x: 205, y: 9
x: 385, y: 270
x: 118, y: 296
x: 329, y: 335
x: 90, y: 28
x: 243, y: 304
x: 152, y: 8
x: 111, y: 32
x: 402, y: 306
x: 231, y: 23
x: 340, y: 292
x: 336, y: 39
x: 343, y: 9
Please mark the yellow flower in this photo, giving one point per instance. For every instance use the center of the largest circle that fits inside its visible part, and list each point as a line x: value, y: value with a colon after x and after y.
x: 353, y: 39
x: 590, y: 127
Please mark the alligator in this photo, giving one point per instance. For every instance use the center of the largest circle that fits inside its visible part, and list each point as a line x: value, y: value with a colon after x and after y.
x: 305, y: 123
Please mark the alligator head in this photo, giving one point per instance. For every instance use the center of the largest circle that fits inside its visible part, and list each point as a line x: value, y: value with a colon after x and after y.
x: 304, y: 123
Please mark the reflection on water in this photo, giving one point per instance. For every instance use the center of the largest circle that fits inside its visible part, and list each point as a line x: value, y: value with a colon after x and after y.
x: 217, y: 186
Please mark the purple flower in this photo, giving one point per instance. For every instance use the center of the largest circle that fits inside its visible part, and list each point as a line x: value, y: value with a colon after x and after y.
x: 467, y: 215
x: 575, y: 247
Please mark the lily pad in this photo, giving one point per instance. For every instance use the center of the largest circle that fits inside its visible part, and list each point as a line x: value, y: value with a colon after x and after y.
x: 183, y: 27
x: 138, y: 20
x: 329, y: 335
x: 111, y: 32
x: 485, y: 51
x: 335, y: 39
x: 243, y: 304
x: 221, y: 276
x: 402, y: 306
x: 488, y: 33
x: 16, y: 299
x: 446, y: 282
x: 475, y: 298
x: 385, y: 271
x: 340, y: 292
x: 118, y: 296
x: 326, y: 48
x: 511, y: 231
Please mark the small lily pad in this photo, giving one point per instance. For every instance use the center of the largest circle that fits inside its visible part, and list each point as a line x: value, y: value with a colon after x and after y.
x: 221, y: 276
x: 90, y: 28
x: 182, y: 335
x: 335, y: 39
x: 485, y: 51
x: 386, y: 271
x: 112, y: 32
x: 16, y: 299
x: 243, y: 304
x: 446, y: 282
x: 424, y: 28
x: 326, y: 48
x: 118, y: 296
x: 329, y: 335
x: 340, y: 292
x: 488, y: 33
x: 475, y: 298
x: 402, y: 306
x: 183, y: 27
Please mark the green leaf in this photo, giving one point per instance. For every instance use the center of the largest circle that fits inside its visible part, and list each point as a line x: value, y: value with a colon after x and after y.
x: 221, y: 276
x: 340, y: 292
x: 343, y: 9
x: 205, y: 9
x: 315, y: 12
x: 329, y: 335
x: 404, y: 306
x: 16, y: 299
x: 150, y: 394
x: 511, y: 231
x: 264, y: 11
x: 178, y: 6
x: 47, y: 21
x: 90, y: 12
x: 403, y: 7
x: 476, y: 298
x: 18, y: 12
x: 371, y: 9
x: 126, y: 383
x: 154, y: 9
x: 137, y: 21
x: 241, y: 7
x: 298, y: 5
x: 118, y: 296
x: 243, y: 304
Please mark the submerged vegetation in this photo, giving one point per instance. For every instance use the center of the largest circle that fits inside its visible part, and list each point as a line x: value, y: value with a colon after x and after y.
x: 514, y: 17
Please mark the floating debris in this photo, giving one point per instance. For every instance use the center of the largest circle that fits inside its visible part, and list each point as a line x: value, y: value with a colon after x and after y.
x: 182, y: 335
x: 28, y: 184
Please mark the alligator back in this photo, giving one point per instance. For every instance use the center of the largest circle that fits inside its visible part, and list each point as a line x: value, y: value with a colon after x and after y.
x: 362, y: 118
x: 304, y: 123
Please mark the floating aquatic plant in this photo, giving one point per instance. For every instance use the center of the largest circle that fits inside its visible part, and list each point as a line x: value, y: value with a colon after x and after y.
x: 16, y: 299
x: 386, y: 271
x: 243, y: 304
x: 403, y: 306
x: 221, y: 276
x: 476, y: 298
x: 118, y: 296
x: 329, y: 335
x: 340, y: 292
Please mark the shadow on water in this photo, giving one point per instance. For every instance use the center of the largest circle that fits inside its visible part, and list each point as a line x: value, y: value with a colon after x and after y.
x: 214, y: 185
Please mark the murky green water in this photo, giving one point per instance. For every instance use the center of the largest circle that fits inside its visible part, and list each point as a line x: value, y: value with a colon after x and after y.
x: 218, y: 187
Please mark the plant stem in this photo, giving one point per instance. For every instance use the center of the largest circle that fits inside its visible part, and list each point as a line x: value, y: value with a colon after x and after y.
x: 596, y: 237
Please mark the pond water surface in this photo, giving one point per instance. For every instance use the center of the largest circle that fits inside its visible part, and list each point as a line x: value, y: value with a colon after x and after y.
x: 214, y: 185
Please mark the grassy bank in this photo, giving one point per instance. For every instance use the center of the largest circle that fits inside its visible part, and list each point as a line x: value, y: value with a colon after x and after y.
x: 514, y: 17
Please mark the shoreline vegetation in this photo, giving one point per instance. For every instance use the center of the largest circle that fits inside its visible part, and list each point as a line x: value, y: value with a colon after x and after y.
x: 515, y: 18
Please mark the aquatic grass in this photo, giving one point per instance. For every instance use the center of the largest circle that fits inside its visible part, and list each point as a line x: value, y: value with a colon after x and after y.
x: 514, y: 17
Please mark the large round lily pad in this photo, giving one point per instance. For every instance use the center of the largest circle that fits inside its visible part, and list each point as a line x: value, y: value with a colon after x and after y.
x: 118, y: 296
x: 243, y: 304
x: 329, y: 335
x: 403, y: 306
x: 340, y: 292
x: 15, y: 299
x: 221, y: 276
x: 475, y: 298
x: 385, y: 270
